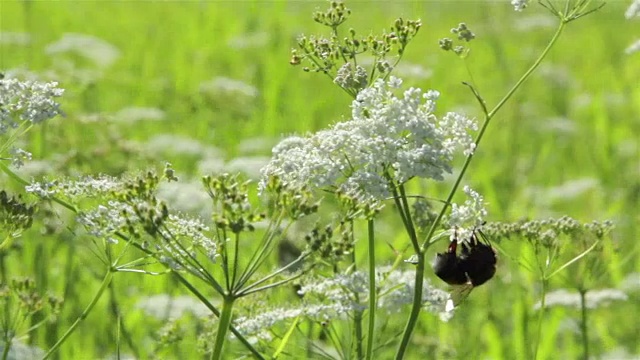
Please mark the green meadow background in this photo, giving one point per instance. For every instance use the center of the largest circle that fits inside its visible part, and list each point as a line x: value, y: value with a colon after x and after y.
x: 207, y: 86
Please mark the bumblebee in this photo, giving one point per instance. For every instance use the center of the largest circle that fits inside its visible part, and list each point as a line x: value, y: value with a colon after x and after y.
x: 474, y: 266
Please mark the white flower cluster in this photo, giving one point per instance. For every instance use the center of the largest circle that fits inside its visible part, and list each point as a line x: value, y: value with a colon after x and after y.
x: 334, y: 298
x: 87, y: 186
x: 633, y: 10
x: 571, y: 299
x: 18, y: 156
x: 104, y: 221
x: 519, y: 5
x: 388, y: 141
x: 27, y: 101
x: 259, y: 325
x: 465, y: 218
x: 396, y: 288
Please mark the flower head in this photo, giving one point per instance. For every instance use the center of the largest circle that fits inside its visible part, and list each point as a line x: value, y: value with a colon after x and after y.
x: 27, y: 101
x: 519, y: 5
x: 468, y: 216
x: 388, y: 140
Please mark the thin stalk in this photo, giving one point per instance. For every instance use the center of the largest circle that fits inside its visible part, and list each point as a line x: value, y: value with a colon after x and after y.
x: 235, y: 269
x: 122, y: 331
x: 7, y: 348
x: 372, y: 290
x: 417, y: 299
x: 217, y: 313
x: 357, y: 317
x: 415, y: 308
x: 258, y: 283
x: 85, y: 313
x: 543, y: 305
x: 245, y: 292
x: 223, y: 326
x: 583, y: 324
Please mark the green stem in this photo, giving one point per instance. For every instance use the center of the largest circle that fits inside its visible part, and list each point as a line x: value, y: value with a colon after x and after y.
x: 526, y: 75
x: 583, y: 325
x: 85, y: 313
x: 543, y: 305
x: 123, y: 332
x: 372, y: 290
x: 7, y: 348
x: 357, y: 317
x: 417, y: 299
x: 415, y: 308
x: 223, y: 326
x: 202, y: 299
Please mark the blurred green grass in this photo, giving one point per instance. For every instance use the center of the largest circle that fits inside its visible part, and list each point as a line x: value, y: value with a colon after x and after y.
x: 575, y: 124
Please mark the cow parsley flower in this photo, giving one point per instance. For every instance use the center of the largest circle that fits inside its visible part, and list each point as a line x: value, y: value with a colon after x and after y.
x: 19, y: 156
x: 633, y: 10
x: 388, y: 140
x: 593, y: 298
x: 27, y: 101
x: 335, y: 297
x: 519, y: 5
x: 466, y: 217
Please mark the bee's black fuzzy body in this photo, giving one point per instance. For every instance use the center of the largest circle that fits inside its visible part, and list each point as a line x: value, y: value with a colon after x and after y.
x: 475, y: 264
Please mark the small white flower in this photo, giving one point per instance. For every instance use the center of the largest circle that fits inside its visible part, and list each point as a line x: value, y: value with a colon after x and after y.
x: 633, y: 48
x: 166, y: 307
x: 102, y: 53
x: 519, y: 5
x: 633, y: 10
x: 465, y: 218
x: 19, y: 156
x: 225, y: 85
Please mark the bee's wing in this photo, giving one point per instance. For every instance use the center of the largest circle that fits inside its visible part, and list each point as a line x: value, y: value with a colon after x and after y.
x: 458, y: 293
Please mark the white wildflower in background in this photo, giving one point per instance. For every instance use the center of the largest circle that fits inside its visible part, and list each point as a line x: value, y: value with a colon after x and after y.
x: 633, y: 10
x: 633, y: 48
x: 256, y: 145
x: 519, y: 5
x: 174, y: 145
x: 388, y: 138
x: 593, y: 298
x: 98, y: 51
x: 134, y: 114
x: 248, y: 165
x: 186, y: 196
x: 166, y: 307
x: 631, y: 283
x: 19, y: 350
x: 27, y: 101
x: 412, y: 71
x: 226, y: 86
x: 14, y: 38
x: 250, y: 40
x: 466, y: 217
